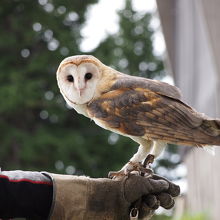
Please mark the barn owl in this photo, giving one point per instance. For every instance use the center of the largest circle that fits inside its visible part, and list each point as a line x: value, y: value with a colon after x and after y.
x: 148, y: 111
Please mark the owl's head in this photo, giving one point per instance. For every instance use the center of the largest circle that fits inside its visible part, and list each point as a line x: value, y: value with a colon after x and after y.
x: 77, y: 78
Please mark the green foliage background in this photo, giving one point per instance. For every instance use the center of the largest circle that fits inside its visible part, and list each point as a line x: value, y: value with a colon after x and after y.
x: 37, y: 130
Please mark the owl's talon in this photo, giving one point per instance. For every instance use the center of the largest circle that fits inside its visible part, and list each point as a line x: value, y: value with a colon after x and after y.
x: 148, y: 172
x: 149, y: 159
x: 131, y: 168
x: 116, y: 174
x: 147, y: 165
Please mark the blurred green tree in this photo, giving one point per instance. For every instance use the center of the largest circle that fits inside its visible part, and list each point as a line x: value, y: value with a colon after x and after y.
x: 131, y: 51
x: 37, y: 130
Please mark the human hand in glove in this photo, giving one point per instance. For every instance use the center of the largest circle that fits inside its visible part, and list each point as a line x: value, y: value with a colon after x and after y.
x: 87, y: 198
x: 35, y: 195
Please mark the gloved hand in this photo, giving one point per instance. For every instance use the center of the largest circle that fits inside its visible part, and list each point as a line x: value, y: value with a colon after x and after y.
x: 165, y: 199
x: 87, y: 198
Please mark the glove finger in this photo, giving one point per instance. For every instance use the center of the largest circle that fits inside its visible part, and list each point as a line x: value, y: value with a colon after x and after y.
x: 157, y: 205
x: 157, y: 186
x: 173, y: 189
x: 151, y: 201
x: 166, y: 200
x: 145, y: 211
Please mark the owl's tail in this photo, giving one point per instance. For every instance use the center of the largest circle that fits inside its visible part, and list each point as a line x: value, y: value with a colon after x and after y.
x: 211, y: 127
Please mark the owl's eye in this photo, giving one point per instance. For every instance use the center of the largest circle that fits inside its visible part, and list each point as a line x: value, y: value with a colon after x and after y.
x: 88, y: 76
x: 70, y: 78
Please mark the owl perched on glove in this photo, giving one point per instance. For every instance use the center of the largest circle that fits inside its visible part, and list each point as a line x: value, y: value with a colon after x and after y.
x: 148, y: 111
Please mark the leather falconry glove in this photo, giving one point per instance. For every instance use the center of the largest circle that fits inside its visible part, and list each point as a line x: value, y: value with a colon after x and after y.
x: 87, y: 198
x: 165, y: 199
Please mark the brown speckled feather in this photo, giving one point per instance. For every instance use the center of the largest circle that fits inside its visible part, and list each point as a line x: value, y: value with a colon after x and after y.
x: 153, y: 110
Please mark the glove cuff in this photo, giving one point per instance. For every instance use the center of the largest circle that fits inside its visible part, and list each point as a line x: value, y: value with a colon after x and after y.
x: 80, y: 197
x: 70, y: 196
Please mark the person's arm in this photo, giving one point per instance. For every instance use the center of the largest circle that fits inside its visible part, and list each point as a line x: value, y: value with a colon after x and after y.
x: 25, y: 194
x: 80, y: 197
x: 32, y: 195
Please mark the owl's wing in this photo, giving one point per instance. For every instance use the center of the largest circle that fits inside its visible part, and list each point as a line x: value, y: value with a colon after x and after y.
x: 139, y: 111
x: 159, y: 87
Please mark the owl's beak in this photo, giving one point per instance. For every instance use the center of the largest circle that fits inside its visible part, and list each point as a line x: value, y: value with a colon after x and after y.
x: 79, y: 87
x: 80, y: 92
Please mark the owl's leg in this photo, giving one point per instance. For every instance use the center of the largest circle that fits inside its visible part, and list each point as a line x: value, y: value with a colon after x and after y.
x: 147, y: 153
x: 158, y: 148
x: 135, y: 162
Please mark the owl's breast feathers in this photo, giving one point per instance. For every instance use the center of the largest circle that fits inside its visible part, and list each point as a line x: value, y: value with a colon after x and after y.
x: 153, y: 110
